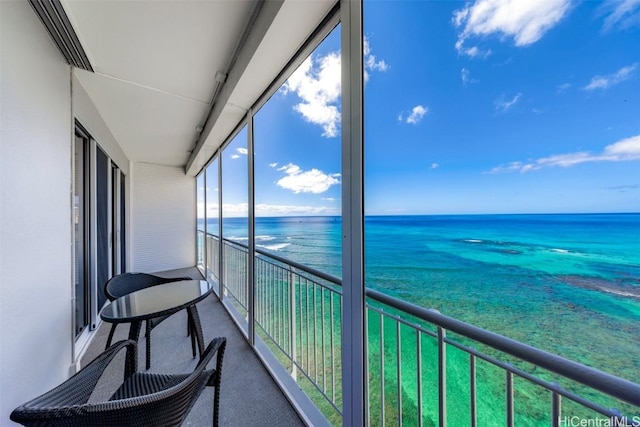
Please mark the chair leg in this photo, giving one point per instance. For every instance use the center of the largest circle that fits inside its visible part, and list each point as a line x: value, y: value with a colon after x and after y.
x: 193, y: 336
x: 111, y: 332
x: 148, y: 323
x: 196, y: 328
x: 217, y: 377
x: 216, y: 404
x: 188, y: 325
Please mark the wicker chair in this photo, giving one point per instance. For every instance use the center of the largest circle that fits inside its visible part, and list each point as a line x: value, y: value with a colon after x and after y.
x: 127, y: 283
x: 143, y: 399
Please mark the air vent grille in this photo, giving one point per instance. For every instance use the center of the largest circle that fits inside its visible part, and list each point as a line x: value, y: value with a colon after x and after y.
x: 57, y: 23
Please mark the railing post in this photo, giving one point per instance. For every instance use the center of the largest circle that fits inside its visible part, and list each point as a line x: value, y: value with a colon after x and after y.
x: 473, y: 391
x: 556, y: 409
x: 399, y: 369
x: 419, y: 374
x: 382, y: 404
x: 292, y: 326
x: 442, y: 377
x: 509, y: 397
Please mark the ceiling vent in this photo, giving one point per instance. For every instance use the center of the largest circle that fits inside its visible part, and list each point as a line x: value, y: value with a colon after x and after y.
x: 57, y: 23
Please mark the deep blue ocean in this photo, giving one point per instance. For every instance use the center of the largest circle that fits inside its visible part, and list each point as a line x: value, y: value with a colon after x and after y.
x: 567, y: 283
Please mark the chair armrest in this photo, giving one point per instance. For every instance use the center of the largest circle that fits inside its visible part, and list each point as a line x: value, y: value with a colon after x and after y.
x: 217, y: 345
x: 78, y: 388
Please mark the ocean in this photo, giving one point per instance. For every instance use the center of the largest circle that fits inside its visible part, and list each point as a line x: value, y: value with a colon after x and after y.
x: 565, y: 283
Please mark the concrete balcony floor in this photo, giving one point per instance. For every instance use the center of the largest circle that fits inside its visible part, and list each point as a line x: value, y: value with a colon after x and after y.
x: 249, y: 396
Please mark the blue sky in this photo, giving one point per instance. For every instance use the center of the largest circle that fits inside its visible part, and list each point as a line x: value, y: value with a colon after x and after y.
x: 489, y: 106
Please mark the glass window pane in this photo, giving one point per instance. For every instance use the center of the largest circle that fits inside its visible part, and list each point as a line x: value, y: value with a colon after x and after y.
x: 235, y: 219
x: 297, y: 142
x: 80, y: 222
x: 501, y: 185
x: 298, y: 163
x: 212, y: 218
x: 103, y: 264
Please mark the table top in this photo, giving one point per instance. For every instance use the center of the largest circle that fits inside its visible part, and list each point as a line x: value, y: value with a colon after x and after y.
x: 156, y: 301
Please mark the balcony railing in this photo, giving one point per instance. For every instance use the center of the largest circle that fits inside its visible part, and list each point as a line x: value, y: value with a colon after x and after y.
x: 424, y: 368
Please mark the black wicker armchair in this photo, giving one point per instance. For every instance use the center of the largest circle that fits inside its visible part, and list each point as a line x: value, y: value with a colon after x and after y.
x: 127, y: 283
x: 143, y: 399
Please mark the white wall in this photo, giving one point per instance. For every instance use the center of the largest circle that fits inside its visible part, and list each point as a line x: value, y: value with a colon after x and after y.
x: 162, y: 218
x: 35, y: 204
x: 88, y: 115
x: 36, y: 258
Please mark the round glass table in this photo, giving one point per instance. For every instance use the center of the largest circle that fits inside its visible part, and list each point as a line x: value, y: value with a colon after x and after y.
x: 159, y: 301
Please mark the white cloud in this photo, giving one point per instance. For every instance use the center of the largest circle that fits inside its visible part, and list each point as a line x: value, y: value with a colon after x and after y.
x: 525, y: 21
x: 234, y: 209
x: 435, y: 165
x: 621, y: 13
x: 312, y: 181
x: 370, y: 62
x: 263, y: 209
x: 289, y: 169
x: 211, y: 208
x: 417, y: 114
x: 473, y: 51
x: 603, y: 82
x: 624, y: 150
x: 503, y: 104
x: 284, y: 210
x: 465, y: 75
x: 317, y: 82
x: 239, y: 152
x: 273, y: 165
x: 564, y: 86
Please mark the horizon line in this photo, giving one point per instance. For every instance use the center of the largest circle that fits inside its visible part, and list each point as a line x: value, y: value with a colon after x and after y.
x: 438, y: 214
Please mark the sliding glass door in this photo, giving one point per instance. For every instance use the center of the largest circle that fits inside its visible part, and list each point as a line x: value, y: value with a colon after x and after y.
x: 99, y: 228
x: 103, y: 264
x: 81, y: 232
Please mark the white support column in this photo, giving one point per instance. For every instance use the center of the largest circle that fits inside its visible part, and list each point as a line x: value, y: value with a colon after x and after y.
x: 220, y: 245
x: 251, y: 250
x: 353, y: 308
x: 205, y: 246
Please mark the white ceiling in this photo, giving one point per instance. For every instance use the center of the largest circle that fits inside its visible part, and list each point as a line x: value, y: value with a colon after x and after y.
x: 156, y: 61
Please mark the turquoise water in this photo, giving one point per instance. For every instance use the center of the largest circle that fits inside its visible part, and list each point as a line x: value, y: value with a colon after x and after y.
x: 569, y: 284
